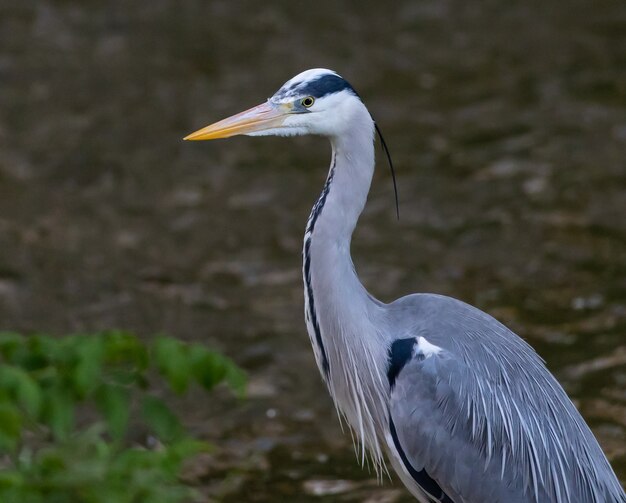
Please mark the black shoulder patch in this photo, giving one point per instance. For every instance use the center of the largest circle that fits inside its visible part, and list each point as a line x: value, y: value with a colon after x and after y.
x: 327, y: 84
x: 425, y: 481
x: 400, y: 353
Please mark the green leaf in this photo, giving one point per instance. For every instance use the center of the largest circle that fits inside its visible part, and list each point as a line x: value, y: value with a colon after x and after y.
x: 29, y: 395
x: 10, y: 426
x: 87, y: 373
x: 187, y: 448
x: 236, y: 379
x: 173, y: 362
x: 9, y: 342
x: 31, y: 354
x: 124, y: 348
x: 210, y: 368
x: 44, y: 350
x: 114, y: 403
x: 11, y: 478
x: 43, y: 378
x: 53, y: 459
x: 19, y: 385
x: 161, y: 419
x: 58, y: 412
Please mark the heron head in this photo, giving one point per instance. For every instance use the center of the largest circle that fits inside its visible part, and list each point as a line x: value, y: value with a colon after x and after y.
x: 316, y: 101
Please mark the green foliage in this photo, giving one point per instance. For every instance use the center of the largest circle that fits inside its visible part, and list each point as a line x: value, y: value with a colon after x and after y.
x: 48, y: 384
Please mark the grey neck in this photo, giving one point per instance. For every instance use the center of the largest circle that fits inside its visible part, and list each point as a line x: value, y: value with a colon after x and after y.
x: 334, y: 294
x: 352, y: 169
x: 343, y: 319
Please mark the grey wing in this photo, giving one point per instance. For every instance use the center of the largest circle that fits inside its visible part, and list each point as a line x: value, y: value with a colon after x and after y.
x: 441, y: 437
x: 470, y: 432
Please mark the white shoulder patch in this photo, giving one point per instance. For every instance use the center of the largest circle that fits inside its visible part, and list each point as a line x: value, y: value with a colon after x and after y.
x: 426, y: 348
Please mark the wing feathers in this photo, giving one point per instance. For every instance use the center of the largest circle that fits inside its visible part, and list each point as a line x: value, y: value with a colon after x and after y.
x: 496, y: 435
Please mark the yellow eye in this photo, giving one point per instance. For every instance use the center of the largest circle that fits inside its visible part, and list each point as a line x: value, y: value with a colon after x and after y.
x: 308, y: 102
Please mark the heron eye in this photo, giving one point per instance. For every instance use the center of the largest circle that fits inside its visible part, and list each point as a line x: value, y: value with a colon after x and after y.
x: 308, y: 102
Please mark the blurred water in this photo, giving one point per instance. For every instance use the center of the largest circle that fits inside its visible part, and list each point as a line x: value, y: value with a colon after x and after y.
x: 507, y: 122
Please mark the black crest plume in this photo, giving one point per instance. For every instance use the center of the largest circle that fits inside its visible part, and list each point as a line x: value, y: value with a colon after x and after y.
x: 393, y: 173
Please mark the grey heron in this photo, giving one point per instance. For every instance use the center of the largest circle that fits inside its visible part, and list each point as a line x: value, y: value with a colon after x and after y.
x: 464, y: 409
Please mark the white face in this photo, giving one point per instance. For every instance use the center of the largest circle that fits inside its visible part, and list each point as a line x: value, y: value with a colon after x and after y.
x: 328, y: 116
x: 318, y: 102
x: 315, y: 102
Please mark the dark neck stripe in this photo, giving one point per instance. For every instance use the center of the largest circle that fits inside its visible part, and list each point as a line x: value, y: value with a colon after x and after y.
x: 321, y: 201
x: 315, y: 213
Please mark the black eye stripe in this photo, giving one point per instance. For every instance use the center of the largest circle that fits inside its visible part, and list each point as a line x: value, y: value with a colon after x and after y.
x: 316, y: 87
x: 325, y: 85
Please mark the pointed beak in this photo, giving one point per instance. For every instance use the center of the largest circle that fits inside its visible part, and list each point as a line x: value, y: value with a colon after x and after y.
x: 260, y: 118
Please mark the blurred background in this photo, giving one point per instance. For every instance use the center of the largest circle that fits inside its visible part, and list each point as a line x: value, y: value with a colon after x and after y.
x: 507, y: 126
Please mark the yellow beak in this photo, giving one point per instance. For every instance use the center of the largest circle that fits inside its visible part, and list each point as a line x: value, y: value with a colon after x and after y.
x: 259, y: 118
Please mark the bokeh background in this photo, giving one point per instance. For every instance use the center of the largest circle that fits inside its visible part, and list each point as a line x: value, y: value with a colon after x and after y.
x: 507, y: 125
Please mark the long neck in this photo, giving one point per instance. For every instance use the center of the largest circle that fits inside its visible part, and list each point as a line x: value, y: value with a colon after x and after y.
x: 341, y: 316
x: 334, y: 294
x: 352, y: 167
